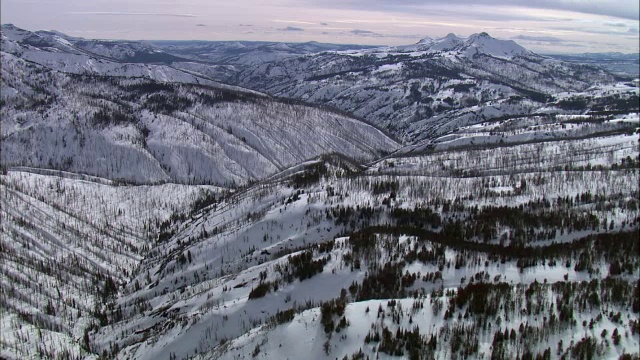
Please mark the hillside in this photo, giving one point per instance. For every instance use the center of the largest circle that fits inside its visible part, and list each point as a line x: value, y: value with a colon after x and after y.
x: 247, y: 273
x: 140, y: 130
x: 67, y: 246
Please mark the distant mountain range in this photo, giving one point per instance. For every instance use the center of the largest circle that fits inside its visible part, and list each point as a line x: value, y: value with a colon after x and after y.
x: 615, y: 62
x: 425, y: 90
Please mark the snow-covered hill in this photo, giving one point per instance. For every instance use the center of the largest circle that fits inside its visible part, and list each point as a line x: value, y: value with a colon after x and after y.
x: 59, y: 52
x: 67, y: 246
x: 144, y: 131
x: 231, y: 279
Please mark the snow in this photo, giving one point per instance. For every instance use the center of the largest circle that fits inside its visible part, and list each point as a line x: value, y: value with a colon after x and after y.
x: 67, y: 229
x: 80, y: 227
x: 224, y: 143
x: 303, y: 336
x: 449, y: 42
x: 62, y: 41
x: 390, y: 67
x: 484, y: 43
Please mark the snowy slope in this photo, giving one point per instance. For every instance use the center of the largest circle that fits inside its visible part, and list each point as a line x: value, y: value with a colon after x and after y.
x: 62, y: 238
x: 143, y: 131
x: 303, y: 335
x: 197, y: 285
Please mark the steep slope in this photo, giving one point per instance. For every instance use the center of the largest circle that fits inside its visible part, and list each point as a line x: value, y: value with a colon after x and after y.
x: 419, y: 327
x: 67, y: 246
x: 143, y: 131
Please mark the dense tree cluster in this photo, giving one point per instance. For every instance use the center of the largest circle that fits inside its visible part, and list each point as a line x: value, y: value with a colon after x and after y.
x: 311, y: 175
x: 302, y: 266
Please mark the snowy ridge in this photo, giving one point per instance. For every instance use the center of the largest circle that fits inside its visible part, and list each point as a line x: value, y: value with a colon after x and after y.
x: 245, y: 53
x: 55, y: 52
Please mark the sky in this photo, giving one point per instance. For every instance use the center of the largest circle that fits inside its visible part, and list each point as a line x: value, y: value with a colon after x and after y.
x: 545, y: 26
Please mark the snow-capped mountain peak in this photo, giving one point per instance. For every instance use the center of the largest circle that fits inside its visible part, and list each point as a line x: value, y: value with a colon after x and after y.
x: 447, y: 43
x: 10, y: 29
x: 452, y: 36
x: 425, y: 41
x: 484, y: 43
x: 13, y: 33
x: 476, y: 43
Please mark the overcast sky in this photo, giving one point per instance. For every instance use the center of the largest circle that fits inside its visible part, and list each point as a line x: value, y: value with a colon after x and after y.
x: 548, y: 26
